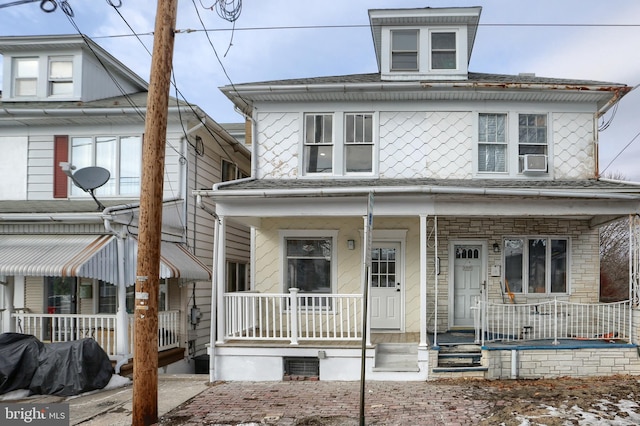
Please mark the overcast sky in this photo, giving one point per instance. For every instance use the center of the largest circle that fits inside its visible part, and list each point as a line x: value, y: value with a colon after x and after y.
x: 279, y: 39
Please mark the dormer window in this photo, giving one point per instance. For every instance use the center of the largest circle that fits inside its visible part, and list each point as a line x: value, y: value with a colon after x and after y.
x: 26, y: 77
x: 404, y: 50
x: 60, y: 76
x: 443, y: 50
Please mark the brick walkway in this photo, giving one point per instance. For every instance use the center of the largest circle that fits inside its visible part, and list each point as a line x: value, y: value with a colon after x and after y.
x: 330, y: 403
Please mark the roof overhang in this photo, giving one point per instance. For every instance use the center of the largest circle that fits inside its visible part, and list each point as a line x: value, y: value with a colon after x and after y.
x: 603, y: 96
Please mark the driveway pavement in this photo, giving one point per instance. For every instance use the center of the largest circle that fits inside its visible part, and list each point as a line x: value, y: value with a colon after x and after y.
x: 329, y: 403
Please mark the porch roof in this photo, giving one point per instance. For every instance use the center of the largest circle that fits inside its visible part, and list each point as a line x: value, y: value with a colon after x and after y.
x: 89, y: 256
x: 596, y: 200
x: 58, y: 255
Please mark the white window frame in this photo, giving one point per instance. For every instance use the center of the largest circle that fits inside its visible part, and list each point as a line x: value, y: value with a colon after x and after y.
x: 236, y: 265
x: 115, y: 174
x: 286, y: 234
x: 16, y: 78
x: 456, y: 50
x: 339, y: 145
x: 545, y: 144
x: 53, y: 80
x: 231, y: 168
x: 392, y: 51
x: 504, y: 143
x: 548, y: 259
x: 371, y: 143
x: 328, y: 140
x: 513, y: 159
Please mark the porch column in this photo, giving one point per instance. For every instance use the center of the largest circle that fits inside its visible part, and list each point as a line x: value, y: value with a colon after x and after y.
x: 423, y: 281
x: 122, y: 318
x: 219, y: 274
x: 6, y: 286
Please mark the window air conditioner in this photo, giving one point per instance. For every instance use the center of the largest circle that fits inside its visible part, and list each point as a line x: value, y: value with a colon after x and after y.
x: 535, y: 163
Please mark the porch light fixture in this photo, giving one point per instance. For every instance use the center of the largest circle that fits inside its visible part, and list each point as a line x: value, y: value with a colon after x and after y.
x: 496, y: 248
x: 351, y: 244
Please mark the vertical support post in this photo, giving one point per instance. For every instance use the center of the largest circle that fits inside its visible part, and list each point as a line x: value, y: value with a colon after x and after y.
x: 221, y: 237
x: 435, y: 257
x: 145, y: 360
x: 293, y: 314
x: 555, y: 321
x: 423, y: 281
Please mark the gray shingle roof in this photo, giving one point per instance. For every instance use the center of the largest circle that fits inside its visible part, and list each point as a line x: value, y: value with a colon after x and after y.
x: 567, y: 185
x: 473, y: 77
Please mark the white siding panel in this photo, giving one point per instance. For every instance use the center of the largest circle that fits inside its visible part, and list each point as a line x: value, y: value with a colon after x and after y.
x: 403, y: 149
x: 40, y: 168
x: 13, y: 167
x: 573, y: 150
x: 450, y: 142
x: 278, y: 140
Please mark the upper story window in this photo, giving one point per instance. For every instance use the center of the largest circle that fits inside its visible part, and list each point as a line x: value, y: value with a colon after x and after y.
x: 536, y: 265
x: 532, y: 142
x: 358, y: 143
x: 231, y: 171
x: 121, y: 155
x: 60, y: 76
x: 492, y: 142
x: 318, y: 143
x: 43, y: 77
x: 339, y: 144
x: 443, y: 51
x: 404, y: 50
x: 512, y: 143
x: 25, y: 83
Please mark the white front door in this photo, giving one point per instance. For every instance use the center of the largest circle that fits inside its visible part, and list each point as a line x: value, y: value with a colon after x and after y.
x: 467, y: 282
x: 386, y: 286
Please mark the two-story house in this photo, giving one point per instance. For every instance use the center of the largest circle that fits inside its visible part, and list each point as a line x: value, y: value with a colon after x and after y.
x: 69, y: 112
x: 463, y: 207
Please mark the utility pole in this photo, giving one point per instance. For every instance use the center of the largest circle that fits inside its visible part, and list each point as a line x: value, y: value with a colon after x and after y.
x: 145, y: 354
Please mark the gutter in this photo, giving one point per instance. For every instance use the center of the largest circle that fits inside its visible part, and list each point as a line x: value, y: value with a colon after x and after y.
x: 320, y: 192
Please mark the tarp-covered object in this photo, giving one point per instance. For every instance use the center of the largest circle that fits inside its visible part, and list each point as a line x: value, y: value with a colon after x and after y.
x: 18, y: 360
x: 65, y: 369
x: 71, y: 368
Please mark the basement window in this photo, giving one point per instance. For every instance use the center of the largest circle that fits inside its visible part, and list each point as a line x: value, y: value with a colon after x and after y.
x: 302, y: 366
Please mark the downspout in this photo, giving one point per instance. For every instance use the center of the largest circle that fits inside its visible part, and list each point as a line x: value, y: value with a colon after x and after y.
x: 185, y: 174
x: 122, y: 330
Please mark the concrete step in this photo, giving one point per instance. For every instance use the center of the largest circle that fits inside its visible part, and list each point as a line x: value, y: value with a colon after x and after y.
x: 396, y: 357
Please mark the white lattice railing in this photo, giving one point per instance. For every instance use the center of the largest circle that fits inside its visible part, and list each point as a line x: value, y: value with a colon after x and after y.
x: 293, y: 316
x: 552, y: 320
x: 101, y: 327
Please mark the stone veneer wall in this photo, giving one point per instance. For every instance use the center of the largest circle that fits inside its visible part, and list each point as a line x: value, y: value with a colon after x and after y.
x: 548, y: 363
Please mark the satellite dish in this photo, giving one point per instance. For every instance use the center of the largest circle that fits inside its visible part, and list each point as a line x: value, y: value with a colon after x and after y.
x: 90, y: 178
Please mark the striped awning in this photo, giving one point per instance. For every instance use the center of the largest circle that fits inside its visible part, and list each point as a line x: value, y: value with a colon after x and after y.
x: 89, y: 256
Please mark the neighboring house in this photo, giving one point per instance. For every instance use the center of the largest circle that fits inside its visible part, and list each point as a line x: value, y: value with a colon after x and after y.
x: 67, y: 262
x: 484, y: 199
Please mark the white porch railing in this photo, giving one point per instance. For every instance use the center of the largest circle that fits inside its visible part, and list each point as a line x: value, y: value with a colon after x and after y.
x: 293, y: 316
x: 101, y: 327
x: 552, y: 320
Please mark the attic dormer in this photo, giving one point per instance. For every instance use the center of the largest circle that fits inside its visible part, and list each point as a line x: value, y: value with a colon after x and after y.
x: 424, y: 44
x: 62, y: 68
